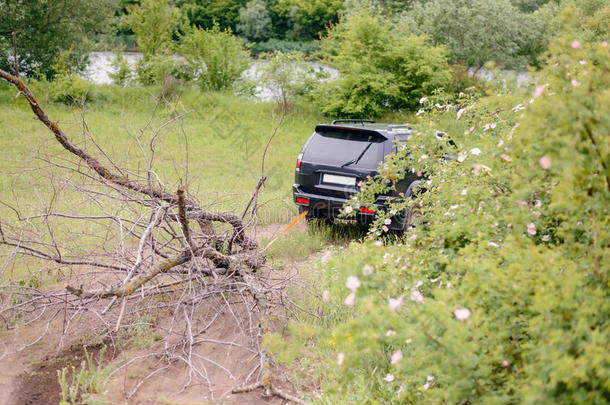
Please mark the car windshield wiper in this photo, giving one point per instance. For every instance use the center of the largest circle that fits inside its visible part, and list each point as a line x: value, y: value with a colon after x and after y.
x: 354, y: 161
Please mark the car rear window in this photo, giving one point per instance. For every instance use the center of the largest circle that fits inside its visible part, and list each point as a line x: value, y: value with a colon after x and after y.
x: 336, y: 147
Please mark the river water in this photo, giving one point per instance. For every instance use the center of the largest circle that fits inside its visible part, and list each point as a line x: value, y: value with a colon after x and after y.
x: 100, y: 66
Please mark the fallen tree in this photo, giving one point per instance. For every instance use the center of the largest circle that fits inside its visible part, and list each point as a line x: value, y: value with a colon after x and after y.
x: 148, y: 257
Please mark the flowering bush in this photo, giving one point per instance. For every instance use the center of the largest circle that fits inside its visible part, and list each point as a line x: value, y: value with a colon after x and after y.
x: 500, y: 292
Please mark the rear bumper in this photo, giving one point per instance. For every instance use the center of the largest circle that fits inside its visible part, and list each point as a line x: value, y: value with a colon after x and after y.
x: 330, y: 207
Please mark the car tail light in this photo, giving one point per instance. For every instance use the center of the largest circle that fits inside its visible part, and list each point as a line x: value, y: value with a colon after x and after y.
x: 299, y: 160
x: 366, y: 210
x: 303, y: 201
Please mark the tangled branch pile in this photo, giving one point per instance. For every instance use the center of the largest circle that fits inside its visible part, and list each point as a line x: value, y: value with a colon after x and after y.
x: 145, y: 255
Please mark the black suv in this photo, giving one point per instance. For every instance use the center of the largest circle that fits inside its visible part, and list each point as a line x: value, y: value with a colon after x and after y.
x: 337, y: 158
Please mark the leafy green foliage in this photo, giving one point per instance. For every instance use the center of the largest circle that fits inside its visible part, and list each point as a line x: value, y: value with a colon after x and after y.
x: 153, y: 22
x: 206, y: 13
x: 45, y: 28
x: 287, y: 76
x: 88, y: 380
x: 121, y: 73
x: 380, y: 70
x: 254, y: 21
x: 307, y: 19
x: 500, y: 293
x: 215, y: 56
x: 476, y: 32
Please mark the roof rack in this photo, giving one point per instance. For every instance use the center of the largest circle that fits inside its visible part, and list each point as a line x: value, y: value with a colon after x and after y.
x: 353, y: 121
x: 392, y: 127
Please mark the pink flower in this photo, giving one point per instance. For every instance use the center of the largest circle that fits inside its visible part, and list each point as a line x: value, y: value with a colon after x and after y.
x: 545, y: 162
x: 395, y: 304
x: 531, y: 228
x: 575, y: 44
x: 416, y: 296
x: 390, y: 332
x: 505, y: 157
x: 385, y: 228
x: 604, y: 43
x: 352, y: 283
x: 426, y: 386
x: 575, y: 83
x: 494, y: 244
x: 389, y: 377
x: 460, y: 112
x: 546, y: 238
x: 367, y: 269
x: 538, y: 92
x: 396, y: 357
x: 505, y: 363
x: 413, y: 237
x: 461, y: 314
x: 350, y: 300
x: 340, y: 358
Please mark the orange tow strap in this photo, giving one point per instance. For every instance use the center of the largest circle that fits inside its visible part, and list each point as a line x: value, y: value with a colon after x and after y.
x: 293, y: 223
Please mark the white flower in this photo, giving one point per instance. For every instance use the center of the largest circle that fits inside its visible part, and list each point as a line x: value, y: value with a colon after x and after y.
x: 461, y: 157
x: 475, y: 151
x: 326, y: 296
x: 387, y: 221
x: 423, y: 100
x: 494, y: 244
x: 430, y: 378
x: 478, y: 168
x: 378, y: 243
x: 426, y: 386
x: 420, y: 112
x: 505, y: 157
x: 367, y: 269
x: 395, y: 304
x: 350, y: 300
x: 408, y: 341
x: 352, y: 283
x: 390, y: 332
x: 340, y: 358
x: 396, y: 357
x: 389, y: 377
x: 419, y: 284
x: 349, y: 209
x: 416, y: 296
x: 575, y: 83
x: 385, y: 228
x: 518, y: 107
x: 464, y: 192
x: 546, y: 238
x: 461, y: 314
x: 531, y: 228
x: 545, y: 162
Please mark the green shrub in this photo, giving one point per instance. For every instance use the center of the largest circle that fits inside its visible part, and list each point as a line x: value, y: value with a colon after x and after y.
x: 287, y: 76
x: 216, y: 58
x: 285, y: 46
x: 254, y: 21
x: 380, y: 71
x: 121, y: 71
x: 500, y: 294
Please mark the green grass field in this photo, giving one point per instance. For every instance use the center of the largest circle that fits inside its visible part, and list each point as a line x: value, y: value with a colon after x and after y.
x: 223, y: 135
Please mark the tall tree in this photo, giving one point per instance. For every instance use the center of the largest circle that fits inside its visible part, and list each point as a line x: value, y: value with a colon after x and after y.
x: 45, y: 28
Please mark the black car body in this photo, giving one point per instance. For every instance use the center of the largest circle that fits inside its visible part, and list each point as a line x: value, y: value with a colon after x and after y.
x: 337, y: 158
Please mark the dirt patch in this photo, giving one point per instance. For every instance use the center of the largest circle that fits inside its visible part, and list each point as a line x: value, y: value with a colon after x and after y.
x: 41, y: 385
